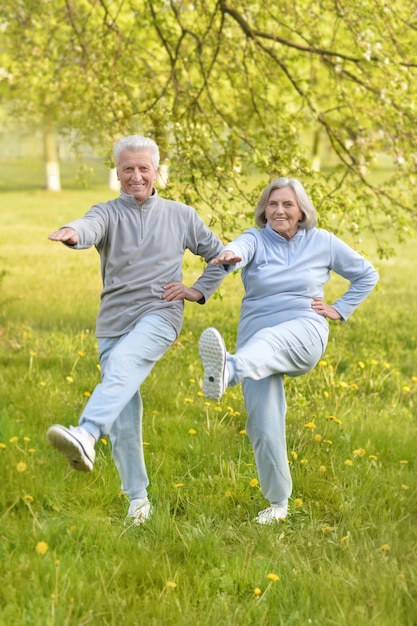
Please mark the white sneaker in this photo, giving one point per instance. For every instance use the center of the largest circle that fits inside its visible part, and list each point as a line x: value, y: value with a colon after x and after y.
x: 76, y: 444
x: 213, y: 356
x: 274, y: 513
x: 139, y: 512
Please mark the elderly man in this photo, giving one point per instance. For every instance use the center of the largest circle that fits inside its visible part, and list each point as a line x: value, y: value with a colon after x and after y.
x: 141, y: 239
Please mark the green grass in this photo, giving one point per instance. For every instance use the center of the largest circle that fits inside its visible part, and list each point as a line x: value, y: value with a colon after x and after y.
x: 346, y: 555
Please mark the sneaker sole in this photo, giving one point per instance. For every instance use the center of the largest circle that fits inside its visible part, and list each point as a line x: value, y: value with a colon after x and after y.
x: 266, y: 521
x: 213, y: 352
x: 269, y: 522
x: 62, y: 439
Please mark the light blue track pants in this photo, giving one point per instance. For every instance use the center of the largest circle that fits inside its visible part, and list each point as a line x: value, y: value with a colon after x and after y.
x: 292, y: 348
x: 115, y: 407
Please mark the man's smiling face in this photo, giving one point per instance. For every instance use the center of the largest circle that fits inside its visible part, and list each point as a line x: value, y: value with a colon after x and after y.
x: 136, y: 173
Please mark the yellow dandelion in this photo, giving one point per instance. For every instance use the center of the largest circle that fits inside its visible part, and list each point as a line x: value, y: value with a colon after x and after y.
x: 42, y: 383
x: 387, y: 365
x: 361, y: 364
x: 28, y: 498
x: 385, y: 547
x: 21, y: 467
x: 13, y: 439
x: 218, y: 409
x: 242, y: 432
x: 26, y: 439
x: 326, y: 529
x: 272, y: 576
x: 57, y: 563
x: 87, y: 394
x: 343, y: 385
x: 298, y: 502
x: 326, y: 394
x: 303, y: 461
x: 403, y: 462
x: 200, y: 394
x: 145, y: 443
x: 310, y: 425
x: 192, y: 431
x: 80, y: 353
x: 372, y: 457
x: 294, y: 454
x: 103, y: 441
x: 373, y: 362
x: 359, y: 452
x: 322, y: 469
x: 344, y: 539
x: 354, y: 386
x: 98, y: 367
x: 188, y: 400
x: 405, y: 487
x: 171, y: 584
x: 249, y: 464
x: 331, y: 418
x: 31, y: 353
x: 192, y: 381
x: 318, y: 437
x: 257, y: 592
x: 2, y: 446
x: 328, y: 441
x: 207, y: 404
x: 414, y: 379
x: 348, y: 462
x: 42, y: 547
x: 32, y: 450
x: 322, y: 363
x: 177, y: 485
x: 69, y: 379
x: 406, y: 388
x: 254, y: 482
x: 228, y: 494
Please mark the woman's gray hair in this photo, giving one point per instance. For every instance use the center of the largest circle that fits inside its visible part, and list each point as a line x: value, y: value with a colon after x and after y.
x: 310, y: 217
x: 136, y: 143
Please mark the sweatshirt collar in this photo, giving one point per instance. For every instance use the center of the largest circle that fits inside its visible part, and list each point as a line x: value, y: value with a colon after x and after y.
x: 131, y: 200
x: 274, y: 236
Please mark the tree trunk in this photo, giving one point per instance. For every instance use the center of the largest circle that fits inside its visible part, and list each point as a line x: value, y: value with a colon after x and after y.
x: 316, y: 150
x: 53, y: 176
x: 114, y: 184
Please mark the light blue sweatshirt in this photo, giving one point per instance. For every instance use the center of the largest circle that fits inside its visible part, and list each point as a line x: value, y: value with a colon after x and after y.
x: 282, y: 277
x: 141, y: 249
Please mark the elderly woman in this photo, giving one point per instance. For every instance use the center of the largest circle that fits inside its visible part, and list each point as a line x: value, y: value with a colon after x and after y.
x: 283, y: 328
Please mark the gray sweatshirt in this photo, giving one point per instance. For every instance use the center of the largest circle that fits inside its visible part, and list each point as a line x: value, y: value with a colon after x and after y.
x: 141, y: 249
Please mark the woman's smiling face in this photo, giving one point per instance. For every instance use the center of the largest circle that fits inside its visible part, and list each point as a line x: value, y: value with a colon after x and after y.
x: 282, y: 212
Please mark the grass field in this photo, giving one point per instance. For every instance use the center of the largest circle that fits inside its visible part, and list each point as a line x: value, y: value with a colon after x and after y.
x: 345, y: 556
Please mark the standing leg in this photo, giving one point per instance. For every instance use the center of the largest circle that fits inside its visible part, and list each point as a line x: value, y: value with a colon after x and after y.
x: 266, y: 407
x: 126, y: 437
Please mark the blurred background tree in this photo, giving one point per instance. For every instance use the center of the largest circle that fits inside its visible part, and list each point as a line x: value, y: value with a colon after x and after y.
x: 235, y: 93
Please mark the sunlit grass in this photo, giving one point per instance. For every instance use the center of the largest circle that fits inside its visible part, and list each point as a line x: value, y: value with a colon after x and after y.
x: 346, y: 554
